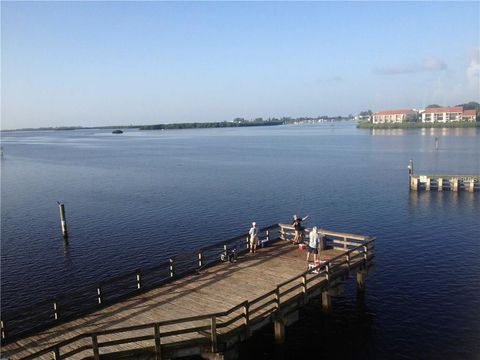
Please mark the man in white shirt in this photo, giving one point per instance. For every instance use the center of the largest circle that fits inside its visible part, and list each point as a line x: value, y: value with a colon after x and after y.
x: 313, y: 245
x: 253, y: 238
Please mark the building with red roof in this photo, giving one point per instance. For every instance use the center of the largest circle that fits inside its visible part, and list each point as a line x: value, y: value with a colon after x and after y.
x: 469, y: 115
x: 395, y: 116
x: 443, y: 114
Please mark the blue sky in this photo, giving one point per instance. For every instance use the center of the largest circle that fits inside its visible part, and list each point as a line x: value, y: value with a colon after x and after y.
x: 121, y: 63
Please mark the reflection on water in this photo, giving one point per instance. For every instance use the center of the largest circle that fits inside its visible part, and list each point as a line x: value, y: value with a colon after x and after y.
x: 427, y: 132
x: 430, y: 200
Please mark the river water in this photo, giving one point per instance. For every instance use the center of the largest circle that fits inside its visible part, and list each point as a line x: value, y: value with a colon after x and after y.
x: 135, y: 199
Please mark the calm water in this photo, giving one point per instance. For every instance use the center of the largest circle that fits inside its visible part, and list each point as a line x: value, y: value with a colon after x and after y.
x: 135, y: 199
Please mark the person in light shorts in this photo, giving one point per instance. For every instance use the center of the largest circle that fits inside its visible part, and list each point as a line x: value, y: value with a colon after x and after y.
x: 253, y: 238
x: 313, y: 245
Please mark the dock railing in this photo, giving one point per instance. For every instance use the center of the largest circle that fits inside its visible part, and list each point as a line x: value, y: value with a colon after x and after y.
x: 67, y: 306
x: 211, y: 331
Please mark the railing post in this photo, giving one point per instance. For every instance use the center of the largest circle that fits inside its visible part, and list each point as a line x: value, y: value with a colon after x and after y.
x: 139, y: 280
x: 55, y: 310
x: 56, y: 352
x: 158, y: 344
x: 213, y: 322
x: 96, y: 353
x: 246, y: 314
x: 2, y: 326
x: 268, y: 235
x: 200, y: 259
x: 347, y: 258
x: 327, y: 271
x: 172, y: 273
x: 99, y: 294
x: 277, y: 297
x: 344, y: 242
x: 365, y: 253
x: 304, y: 288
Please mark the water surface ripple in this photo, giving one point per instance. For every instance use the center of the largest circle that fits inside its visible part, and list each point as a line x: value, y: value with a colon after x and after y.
x: 136, y: 199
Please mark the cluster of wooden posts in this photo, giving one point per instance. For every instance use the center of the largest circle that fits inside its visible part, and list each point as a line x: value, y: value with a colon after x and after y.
x: 470, y: 183
x: 214, y: 335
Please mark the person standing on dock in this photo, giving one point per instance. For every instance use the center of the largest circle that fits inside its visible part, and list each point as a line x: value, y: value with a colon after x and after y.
x: 313, y: 245
x: 253, y: 238
x: 297, y: 225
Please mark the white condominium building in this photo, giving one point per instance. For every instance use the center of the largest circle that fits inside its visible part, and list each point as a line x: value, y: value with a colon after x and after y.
x: 443, y: 114
x: 469, y: 115
x: 395, y: 116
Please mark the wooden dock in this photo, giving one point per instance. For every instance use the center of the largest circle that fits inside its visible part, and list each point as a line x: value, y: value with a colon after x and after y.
x: 205, y: 307
x: 430, y: 182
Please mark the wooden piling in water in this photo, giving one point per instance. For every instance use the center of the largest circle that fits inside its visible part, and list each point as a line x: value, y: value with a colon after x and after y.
x: 279, y: 329
x: 63, y: 222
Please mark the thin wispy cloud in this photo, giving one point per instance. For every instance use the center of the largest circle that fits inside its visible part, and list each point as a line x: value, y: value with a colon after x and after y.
x: 330, y: 80
x: 428, y: 64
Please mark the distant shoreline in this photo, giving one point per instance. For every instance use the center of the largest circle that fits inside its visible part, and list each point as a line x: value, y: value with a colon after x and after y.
x: 193, y: 125
x: 456, y: 124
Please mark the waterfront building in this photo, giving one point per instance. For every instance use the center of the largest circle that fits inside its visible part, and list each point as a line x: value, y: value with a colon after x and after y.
x: 395, y: 116
x: 469, y: 115
x: 443, y: 114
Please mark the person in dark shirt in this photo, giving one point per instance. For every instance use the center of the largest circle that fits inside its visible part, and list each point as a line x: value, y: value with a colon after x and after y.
x: 297, y: 225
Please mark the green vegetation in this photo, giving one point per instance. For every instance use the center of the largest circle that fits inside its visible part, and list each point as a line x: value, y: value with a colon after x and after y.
x: 222, y: 124
x: 457, y: 124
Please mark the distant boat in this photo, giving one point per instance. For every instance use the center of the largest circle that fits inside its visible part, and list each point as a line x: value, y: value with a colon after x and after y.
x: 117, y: 132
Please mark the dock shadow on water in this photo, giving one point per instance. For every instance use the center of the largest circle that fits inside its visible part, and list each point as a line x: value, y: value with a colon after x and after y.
x: 346, y: 332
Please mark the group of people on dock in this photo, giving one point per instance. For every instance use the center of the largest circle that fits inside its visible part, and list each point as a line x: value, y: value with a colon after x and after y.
x: 314, y: 241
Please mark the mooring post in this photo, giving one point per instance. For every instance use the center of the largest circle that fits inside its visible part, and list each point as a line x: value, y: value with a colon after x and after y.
x: 279, y: 329
x: 471, y: 186
x: 410, y: 173
x: 454, y: 184
x: 439, y: 184
x: 63, y: 222
x: 361, y: 280
x: 414, y: 183
x: 326, y: 301
x: 436, y: 143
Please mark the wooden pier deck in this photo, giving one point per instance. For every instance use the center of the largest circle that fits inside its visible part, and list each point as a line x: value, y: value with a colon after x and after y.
x: 208, y: 311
